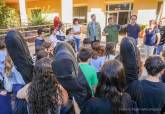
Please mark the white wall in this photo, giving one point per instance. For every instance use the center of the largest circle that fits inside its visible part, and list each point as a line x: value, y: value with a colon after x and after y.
x: 67, y: 11
x: 100, y: 16
x: 144, y: 16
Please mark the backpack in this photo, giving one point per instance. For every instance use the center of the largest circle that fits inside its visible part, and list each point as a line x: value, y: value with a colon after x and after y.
x: 69, y: 75
x: 20, y: 55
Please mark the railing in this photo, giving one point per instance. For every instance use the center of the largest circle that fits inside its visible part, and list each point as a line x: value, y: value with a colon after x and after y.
x: 30, y: 31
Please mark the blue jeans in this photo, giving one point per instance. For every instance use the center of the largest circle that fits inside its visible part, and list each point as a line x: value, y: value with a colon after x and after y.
x: 159, y: 49
x: 77, y: 42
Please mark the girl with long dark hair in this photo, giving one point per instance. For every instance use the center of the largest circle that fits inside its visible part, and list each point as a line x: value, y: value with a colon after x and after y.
x: 131, y: 59
x: 111, y: 96
x: 44, y: 94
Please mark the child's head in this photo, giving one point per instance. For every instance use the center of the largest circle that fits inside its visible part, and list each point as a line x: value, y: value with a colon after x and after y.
x: 41, y: 54
x: 101, y: 51
x: 40, y: 32
x: 2, y: 44
x: 94, y: 55
x: 8, y: 65
x: 52, y: 31
x: 110, y: 49
x: 69, y: 31
x: 87, y: 43
x: 39, y: 48
x: 72, y: 43
x: 95, y: 46
x: 48, y: 47
x: 84, y: 54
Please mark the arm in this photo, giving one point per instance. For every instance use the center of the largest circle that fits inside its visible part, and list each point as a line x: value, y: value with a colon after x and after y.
x: 144, y: 36
x: 94, y: 81
x: 23, y: 93
x: 139, y: 30
x: 64, y: 96
x: 123, y: 26
x: 158, y: 38
x: 77, y: 33
x: 99, y: 31
x: 88, y: 31
x: 76, y: 107
x: 104, y: 32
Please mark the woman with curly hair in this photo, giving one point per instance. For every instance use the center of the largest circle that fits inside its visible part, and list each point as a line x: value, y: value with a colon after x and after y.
x: 44, y: 94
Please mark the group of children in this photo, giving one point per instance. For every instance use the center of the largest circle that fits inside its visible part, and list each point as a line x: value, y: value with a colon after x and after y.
x: 112, y: 79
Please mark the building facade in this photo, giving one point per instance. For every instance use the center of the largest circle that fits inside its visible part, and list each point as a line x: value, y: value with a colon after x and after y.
x: 82, y: 9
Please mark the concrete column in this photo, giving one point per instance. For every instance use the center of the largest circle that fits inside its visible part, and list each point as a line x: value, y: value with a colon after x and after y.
x: 67, y: 11
x: 23, y: 15
x: 163, y: 13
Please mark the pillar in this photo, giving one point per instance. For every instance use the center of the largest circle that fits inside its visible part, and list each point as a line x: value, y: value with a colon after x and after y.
x: 23, y: 15
x: 67, y: 11
x: 163, y: 13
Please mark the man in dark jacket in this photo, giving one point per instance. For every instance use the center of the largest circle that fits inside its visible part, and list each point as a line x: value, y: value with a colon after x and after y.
x: 162, y: 33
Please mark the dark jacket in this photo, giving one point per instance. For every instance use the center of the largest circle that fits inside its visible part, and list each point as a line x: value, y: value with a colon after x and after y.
x: 66, y: 70
x: 129, y: 58
x: 19, y: 52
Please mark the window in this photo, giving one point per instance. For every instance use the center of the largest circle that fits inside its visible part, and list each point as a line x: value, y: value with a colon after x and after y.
x: 80, y: 13
x: 120, y: 12
x: 116, y: 7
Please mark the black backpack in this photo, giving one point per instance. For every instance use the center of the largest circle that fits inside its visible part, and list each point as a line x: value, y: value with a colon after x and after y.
x: 18, y: 51
x: 67, y: 72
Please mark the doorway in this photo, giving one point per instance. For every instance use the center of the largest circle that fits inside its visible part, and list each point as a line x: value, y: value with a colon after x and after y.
x: 120, y: 12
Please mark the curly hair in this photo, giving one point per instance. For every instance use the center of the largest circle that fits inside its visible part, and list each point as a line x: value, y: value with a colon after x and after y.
x: 154, y: 65
x: 44, y: 91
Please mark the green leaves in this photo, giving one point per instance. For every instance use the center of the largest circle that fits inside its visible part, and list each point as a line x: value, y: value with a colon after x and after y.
x: 7, y: 15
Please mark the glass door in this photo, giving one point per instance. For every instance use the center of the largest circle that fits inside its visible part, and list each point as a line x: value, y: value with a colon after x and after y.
x: 123, y: 18
x: 120, y: 12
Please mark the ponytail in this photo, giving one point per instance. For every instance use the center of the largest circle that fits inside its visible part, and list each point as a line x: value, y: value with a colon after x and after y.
x: 115, y: 97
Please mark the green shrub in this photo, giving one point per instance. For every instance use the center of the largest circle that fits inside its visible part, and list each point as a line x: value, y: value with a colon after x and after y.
x: 7, y: 16
x: 38, y: 19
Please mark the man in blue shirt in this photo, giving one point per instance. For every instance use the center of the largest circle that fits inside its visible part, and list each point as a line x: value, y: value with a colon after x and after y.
x: 133, y: 28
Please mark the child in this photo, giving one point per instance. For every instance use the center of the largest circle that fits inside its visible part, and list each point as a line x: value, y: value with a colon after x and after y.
x: 110, y: 52
x: 12, y: 82
x: 69, y: 34
x: 40, y: 39
x: 41, y: 54
x: 60, y: 34
x: 94, y: 61
x: 3, y: 54
x: 88, y: 71
x: 11, y: 76
x: 48, y: 48
x: 87, y: 43
x: 52, y: 38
